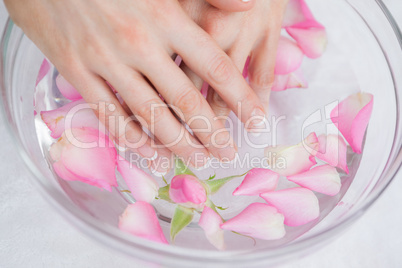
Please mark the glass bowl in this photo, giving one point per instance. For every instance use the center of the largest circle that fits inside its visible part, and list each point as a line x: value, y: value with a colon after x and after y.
x: 364, y: 53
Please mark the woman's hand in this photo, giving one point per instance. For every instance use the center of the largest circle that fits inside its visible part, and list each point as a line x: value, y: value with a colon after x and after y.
x: 253, y: 33
x: 129, y: 44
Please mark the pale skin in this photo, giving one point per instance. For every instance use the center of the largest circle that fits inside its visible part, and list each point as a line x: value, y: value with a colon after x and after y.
x: 130, y: 45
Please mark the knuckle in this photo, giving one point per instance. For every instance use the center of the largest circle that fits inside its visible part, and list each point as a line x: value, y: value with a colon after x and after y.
x: 219, y: 69
x: 218, y: 102
x: 152, y: 111
x: 214, y: 23
x: 189, y: 101
x: 262, y: 79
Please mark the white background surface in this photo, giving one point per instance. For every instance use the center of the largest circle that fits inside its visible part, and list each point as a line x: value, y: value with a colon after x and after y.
x: 32, y: 234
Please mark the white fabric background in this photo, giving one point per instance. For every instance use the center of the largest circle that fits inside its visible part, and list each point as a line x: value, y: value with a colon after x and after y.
x: 32, y: 234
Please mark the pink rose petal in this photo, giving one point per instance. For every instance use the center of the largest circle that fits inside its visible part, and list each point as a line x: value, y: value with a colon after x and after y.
x: 296, y: 13
x: 258, y: 220
x: 301, y: 25
x: 289, y: 57
x: 94, y: 165
x: 289, y: 160
x: 322, y: 179
x: 298, y: 205
x: 78, y: 114
x: 333, y: 150
x: 313, y: 41
x: 43, y: 71
x: 292, y: 80
x: 66, y: 89
x: 139, y: 219
x: 142, y: 186
x: 257, y: 181
x: 210, y: 222
x: 187, y: 190
x: 352, y: 116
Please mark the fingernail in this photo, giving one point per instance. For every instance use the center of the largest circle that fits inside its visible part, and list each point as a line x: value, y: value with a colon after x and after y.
x: 257, y: 120
x: 227, y: 154
x: 206, y: 165
x: 148, y: 152
x: 157, y: 173
x: 199, y: 160
x: 227, y: 160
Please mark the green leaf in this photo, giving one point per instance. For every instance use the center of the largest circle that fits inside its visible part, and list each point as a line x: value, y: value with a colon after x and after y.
x: 181, y: 218
x: 163, y: 193
x: 215, y: 185
x: 221, y: 208
x: 164, y: 180
x: 181, y: 168
x: 211, y: 177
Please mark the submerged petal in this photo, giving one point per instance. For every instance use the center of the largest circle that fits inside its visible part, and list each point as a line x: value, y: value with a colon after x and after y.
x: 142, y: 186
x: 313, y: 41
x: 258, y: 220
x: 257, y: 181
x: 88, y: 155
x: 75, y: 114
x: 289, y: 56
x: 296, y: 12
x: 352, y: 116
x: 140, y: 219
x: 298, y: 205
x: 43, y: 71
x: 290, y: 160
x: 210, y: 222
x: 333, y: 150
x: 322, y: 179
x: 66, y: 89
x: 292, y: 80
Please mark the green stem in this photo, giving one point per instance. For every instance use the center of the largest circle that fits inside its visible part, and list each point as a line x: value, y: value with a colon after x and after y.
x: 215, y: 185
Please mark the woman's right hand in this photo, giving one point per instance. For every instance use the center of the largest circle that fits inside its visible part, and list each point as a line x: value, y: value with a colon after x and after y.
x: 130, y: 45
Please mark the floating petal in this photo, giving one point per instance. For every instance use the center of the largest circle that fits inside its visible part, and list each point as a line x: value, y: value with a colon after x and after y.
x: 298, y: 205
x: 352, y: 116
x: 258, y: 220
x: 322, y: 179
x: 257, y: 181
x: 289, y: 160
x: 140, y: 219
x: 333, y: 150
x: 210, y: 222
x: 142, y: 186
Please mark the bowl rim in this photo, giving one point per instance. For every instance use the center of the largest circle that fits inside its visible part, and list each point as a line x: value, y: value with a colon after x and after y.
x: 126, y: 244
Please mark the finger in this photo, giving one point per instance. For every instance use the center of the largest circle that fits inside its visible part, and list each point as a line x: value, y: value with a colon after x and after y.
x: 262, y: 62
x: 216, y: 68
x: 232, y: 5
x: 109, y: 111
x: 155, y: 115
x: 163, y: 163
x: 178, y: 90
x: 238, y: 54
